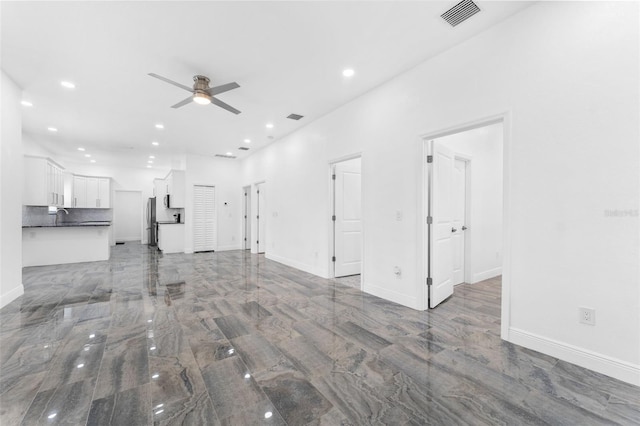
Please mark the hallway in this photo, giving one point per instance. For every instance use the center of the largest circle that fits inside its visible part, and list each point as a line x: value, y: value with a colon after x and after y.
x: 232, y: 338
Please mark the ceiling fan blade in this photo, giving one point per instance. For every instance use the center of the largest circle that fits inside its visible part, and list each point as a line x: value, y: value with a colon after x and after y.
x: 166, y: 80
x: 183, y: 103
x: 221, y: 89
x: 225, y: 106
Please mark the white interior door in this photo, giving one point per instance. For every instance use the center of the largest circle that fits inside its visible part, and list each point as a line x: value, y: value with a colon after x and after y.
x: 127, y: 216
x: 205, y: 232
x: 440, y: 262
x: 261, y: 218
x: 459, y: 211
x: 347, y: 218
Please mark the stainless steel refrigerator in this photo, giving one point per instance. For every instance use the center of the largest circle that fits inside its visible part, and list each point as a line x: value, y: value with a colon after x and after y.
x: 152, y: 226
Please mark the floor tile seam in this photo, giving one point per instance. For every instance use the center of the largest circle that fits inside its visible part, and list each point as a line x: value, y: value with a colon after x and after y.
x: 578, y: 403
x: 246, y: 368
x: 200, y: 372
x: 359, y: 344
x: 100, y: 368
x: 557, y: 370
x: 35, y: 394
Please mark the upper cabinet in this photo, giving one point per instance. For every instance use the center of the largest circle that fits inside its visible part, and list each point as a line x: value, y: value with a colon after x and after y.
x: 46, y: 183
x: 176, y: 188
x: 91, y: 192
x: 43, y: 182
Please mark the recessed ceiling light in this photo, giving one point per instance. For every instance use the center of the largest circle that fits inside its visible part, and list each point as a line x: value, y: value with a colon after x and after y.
x: 68, y: 84
x: 92, y: 161
x: 154, y: 143
x: 152, y: 156
x: 159, y: 126
x: 80, y: 148
x: 52, y: 129
x: 247, y: 141
x: 348, y: 72
x: 229, y: 153
x: 87, y: 155
x: 268, y: 415
x: 269, y: 126
x: 150, y: 162
x: 26, y: 103
x: 148, y: 167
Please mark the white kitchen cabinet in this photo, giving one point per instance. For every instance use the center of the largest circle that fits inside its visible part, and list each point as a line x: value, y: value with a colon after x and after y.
x: 79, y: 191
x: 176, y: 188
x: 91, y: 192
x: 43, y: 183
x: 171, y: 237
x: 67, y: 180
x: 104, y: 193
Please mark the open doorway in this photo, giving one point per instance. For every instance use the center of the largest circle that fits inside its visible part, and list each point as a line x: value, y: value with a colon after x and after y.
x: 246, y: 224
x: 346, y: 230
x: 464, y: 203
x: 127, y: 216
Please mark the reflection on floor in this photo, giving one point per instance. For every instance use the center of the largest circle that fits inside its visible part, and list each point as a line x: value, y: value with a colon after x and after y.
x: 231, y: 338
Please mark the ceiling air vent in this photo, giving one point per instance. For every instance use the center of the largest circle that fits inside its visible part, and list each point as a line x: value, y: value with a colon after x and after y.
x: 243, y: 148
x: 295, y: 116
x: 460, y: 12
x: 225, y: 156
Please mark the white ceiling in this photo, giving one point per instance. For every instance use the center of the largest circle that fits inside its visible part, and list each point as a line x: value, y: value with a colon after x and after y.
x: 287, y: 57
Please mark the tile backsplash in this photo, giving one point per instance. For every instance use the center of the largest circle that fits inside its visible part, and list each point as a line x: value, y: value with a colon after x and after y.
x: 39, y: 216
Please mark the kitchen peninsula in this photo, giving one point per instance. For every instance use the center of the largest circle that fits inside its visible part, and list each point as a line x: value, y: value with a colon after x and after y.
x: 67, y: 242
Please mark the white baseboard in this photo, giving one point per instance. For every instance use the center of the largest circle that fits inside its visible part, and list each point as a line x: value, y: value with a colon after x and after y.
x: 229, y: 247
x: 485, y: 275
x: 295, y: 264
x: 393, y: 296
x: 11, y: 295
x: 621, y: 370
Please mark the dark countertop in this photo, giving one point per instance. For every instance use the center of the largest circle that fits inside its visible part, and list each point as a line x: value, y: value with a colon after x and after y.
x: 170, y: 223
x: 69, y: 224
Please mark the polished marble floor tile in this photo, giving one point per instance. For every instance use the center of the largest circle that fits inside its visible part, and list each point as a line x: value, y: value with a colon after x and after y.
x: 234, y: 339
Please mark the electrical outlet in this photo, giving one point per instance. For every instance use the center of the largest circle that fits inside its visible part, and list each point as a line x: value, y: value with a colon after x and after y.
x: 587, y: 315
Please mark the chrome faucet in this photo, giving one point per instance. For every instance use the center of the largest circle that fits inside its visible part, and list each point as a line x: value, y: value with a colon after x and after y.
x: 58, y: 210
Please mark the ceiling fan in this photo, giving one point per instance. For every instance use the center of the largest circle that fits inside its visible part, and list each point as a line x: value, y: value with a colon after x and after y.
x: 201, y: 93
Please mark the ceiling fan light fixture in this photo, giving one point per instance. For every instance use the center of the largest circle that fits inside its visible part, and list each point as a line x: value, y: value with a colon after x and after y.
x: 201, y: 98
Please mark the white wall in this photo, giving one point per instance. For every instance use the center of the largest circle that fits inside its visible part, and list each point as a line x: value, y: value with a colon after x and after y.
x: 484, y: 236
x: 10, y: 192
x: 297, y: 176
x: 567, y: 75
x: 224, y: 174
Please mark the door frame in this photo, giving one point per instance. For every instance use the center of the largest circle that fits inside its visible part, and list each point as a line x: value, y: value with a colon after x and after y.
x: 246, y: 213
x: 254, y: 220
x: 423, y: 185
x: 330, y: 230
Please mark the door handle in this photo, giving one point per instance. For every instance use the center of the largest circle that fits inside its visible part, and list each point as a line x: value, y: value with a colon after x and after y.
x: 453, y: 229
x: 464, y: 228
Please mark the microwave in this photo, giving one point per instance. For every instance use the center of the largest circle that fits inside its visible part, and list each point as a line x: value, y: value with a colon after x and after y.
x: 167, y: 201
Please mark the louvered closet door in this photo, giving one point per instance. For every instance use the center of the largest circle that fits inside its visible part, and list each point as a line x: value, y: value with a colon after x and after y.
x: 205, y: 230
